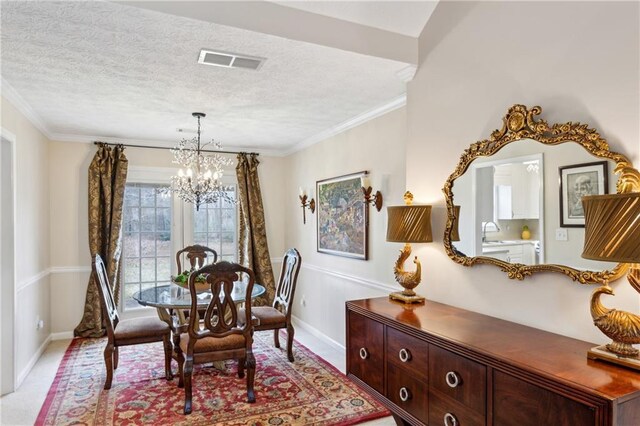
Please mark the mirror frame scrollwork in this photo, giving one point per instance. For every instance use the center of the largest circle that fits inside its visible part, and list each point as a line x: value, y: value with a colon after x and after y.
x: 520, y: 123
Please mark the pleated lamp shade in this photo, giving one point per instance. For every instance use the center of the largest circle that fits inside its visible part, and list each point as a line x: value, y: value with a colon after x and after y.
x: 455, y: 234
x: 612, y: 227
x: 409, y: 224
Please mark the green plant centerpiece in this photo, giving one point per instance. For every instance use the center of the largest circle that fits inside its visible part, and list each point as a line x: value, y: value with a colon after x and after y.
x: 182, y: 280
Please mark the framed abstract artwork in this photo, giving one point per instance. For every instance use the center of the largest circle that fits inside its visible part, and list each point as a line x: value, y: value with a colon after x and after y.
x: 576, y: 181
x: 342, y: 216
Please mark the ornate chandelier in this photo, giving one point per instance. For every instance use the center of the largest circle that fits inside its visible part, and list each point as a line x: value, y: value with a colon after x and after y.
x: 200, y: 182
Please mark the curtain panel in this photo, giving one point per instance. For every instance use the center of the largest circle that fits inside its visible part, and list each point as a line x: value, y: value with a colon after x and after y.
x: 107, y: 179
x: 252, y: 241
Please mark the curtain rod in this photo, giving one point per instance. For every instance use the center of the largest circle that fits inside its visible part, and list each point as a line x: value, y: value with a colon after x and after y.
x: 164, y: 147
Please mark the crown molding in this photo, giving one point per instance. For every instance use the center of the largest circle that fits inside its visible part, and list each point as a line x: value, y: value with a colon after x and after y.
x: 10, y: 94
x: 359, y: 119
x: 406, y: 74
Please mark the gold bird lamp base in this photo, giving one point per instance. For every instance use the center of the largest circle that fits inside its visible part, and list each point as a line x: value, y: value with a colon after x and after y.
x: 602, y: 353
x: 408, y: 280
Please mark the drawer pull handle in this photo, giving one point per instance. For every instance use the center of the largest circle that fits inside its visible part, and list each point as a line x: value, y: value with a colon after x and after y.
x: 452, y: 378
x: 405, y: 395
x: 404, y: 355
x: 364, y: 354
x: 450, y: 420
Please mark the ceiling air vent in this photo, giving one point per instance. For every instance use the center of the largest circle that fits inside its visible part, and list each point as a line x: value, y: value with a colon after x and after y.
x: 229, y: 60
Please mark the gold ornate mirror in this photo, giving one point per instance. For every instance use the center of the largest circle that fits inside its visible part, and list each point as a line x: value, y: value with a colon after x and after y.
x: 515, y: 199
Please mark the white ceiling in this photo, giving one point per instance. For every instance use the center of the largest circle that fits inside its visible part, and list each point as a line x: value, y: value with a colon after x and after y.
x: 112, y: 71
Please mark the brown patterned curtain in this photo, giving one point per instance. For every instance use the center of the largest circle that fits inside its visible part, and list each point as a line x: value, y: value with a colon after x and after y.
x: 107, y: 178
x: 253, y: 249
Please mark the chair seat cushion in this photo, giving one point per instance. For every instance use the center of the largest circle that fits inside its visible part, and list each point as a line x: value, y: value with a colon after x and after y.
x: 269, y: 316
x: 213, y: 344
x: 139, y: 328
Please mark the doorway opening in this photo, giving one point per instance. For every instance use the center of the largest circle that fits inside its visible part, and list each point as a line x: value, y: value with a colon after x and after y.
x: 7, y: 264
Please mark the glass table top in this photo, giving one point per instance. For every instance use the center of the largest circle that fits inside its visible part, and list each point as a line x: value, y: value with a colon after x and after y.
x: 173, y: 296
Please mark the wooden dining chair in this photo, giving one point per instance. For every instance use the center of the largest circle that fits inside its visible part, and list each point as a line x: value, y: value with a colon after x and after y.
x: 128, y: 332
x: 197, y: 256
x: 278, y: 316
x: 218, y: 335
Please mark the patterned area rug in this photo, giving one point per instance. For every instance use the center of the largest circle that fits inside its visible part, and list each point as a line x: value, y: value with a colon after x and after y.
x: 308, y: 391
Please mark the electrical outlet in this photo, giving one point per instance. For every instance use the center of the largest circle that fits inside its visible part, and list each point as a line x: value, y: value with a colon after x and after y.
x: 40, y: 324
x: 561, y: 234
x: 303, y: 301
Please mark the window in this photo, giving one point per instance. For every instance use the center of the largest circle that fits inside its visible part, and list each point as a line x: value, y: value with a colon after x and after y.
x: 146, y: 237
x: 214, y: 226
x: 155, y: 227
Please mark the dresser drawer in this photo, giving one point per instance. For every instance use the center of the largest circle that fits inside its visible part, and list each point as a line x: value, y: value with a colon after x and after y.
x: 449, y: 412
x: 365, y: 353
x: 407, y: 351
x: 519, y: 403
x: 458, y: 378
x: 408, y: 392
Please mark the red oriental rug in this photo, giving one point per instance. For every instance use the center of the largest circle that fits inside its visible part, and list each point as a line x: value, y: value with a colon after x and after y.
x: 308, y: 391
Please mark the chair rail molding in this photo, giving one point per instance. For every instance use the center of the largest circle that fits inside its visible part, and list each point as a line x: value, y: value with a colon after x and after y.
x: 69, y: 269
x: 353, y: 278
x: 32, y: 280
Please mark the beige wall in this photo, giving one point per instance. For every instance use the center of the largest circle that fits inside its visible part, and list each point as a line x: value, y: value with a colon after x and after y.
x: 31, y: 235
x: 478, y: 59
x: 326, y: 281
x: 70, y: 258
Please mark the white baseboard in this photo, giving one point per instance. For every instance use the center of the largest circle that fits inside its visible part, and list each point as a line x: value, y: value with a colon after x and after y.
x: 64, y: 335
x: 317, y: 333
x: 36, y: 356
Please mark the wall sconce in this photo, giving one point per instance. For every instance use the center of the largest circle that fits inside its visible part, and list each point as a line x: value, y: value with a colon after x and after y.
x: 366, y: 190
x: 311, y: 204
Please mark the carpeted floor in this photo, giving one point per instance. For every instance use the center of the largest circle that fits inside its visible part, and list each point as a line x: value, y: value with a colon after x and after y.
x: 308, y: 391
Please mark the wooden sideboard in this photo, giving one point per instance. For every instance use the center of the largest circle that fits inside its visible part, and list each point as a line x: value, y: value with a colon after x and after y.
x: 439, y: 365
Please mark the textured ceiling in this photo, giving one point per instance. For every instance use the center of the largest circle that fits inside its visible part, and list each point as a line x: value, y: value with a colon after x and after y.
x: 107, y: 70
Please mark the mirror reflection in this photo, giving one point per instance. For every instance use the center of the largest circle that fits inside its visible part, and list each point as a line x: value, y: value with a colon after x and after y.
x: 511, y: 204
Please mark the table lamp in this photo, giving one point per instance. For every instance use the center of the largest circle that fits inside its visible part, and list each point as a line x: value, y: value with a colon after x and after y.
x: 612, y: 233
x: 408, y: 224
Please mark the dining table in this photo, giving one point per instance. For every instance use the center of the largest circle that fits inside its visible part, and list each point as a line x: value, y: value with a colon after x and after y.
x: 172, y: 298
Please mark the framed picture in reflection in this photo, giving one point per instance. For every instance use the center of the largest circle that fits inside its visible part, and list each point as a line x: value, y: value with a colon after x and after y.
x: 577, y: 181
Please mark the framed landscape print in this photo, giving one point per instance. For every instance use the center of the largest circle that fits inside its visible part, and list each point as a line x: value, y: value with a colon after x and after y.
x: 342, y: 216
x: 576, y: 181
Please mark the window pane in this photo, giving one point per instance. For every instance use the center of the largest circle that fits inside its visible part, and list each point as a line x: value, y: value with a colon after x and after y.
x: 214, y: 220
x: 226, y: 204
x: 131, y: 270
x: 163, y: 222
x: 163, y: 244
x: 129, y: 290
x: 200, y: 220
x: 163, y: 200
x: 201, y: 238
x: 148, y: 270
x: 130, y: 245
x: 147, y: 244
x: 131, y: 196
x: 148, y: 196
x: 228, y: 220
x: 131, y: 219
x: 163, y: 271
x: 228, y: 243
x: 147, y: 219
